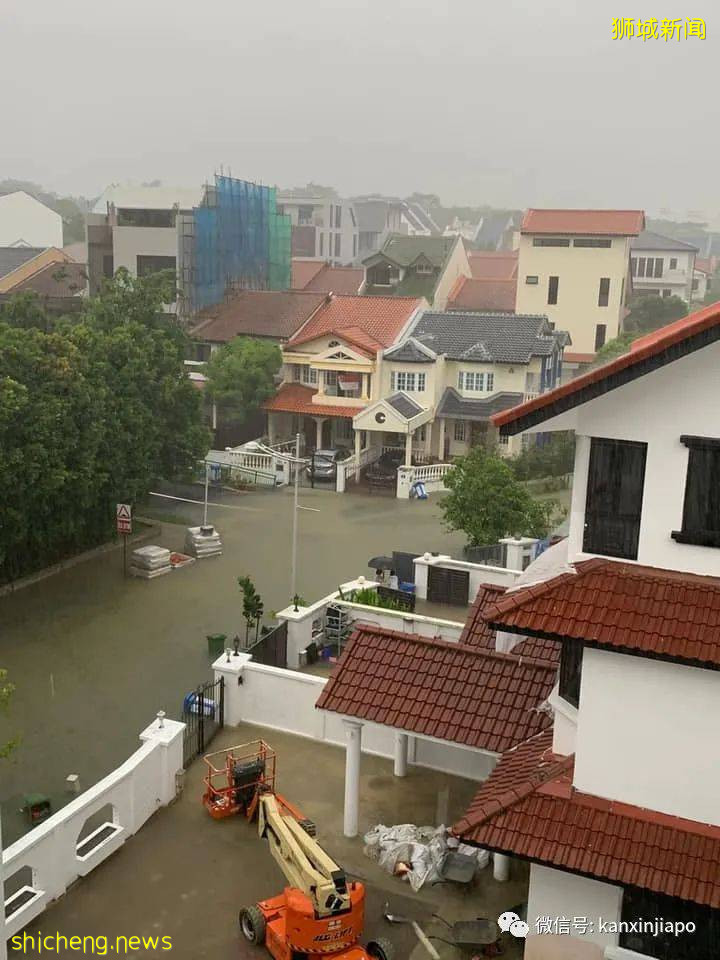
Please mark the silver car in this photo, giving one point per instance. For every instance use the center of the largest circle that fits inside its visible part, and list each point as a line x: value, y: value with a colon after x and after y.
x: 323, y: 463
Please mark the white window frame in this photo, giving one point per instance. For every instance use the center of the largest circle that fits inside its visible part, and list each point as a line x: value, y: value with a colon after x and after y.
x: 309, y: 374
x: 460, y: 431
x: 471, y: 381
x: 489, y: 381
x: 407, y: 382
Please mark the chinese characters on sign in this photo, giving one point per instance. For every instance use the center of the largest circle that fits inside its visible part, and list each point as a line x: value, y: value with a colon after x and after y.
x: 623, y: 28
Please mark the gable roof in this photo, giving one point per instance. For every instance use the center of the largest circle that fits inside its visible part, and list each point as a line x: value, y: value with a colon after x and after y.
x: 619, y: 606
x: 528, y: 807
x: 649, y: 240
x: 654, y: 350
x: 492, y: 228
x: 404, y: 250
x: 297, y: 398
x: 477, y: 632
x: 410, y: 351
x: 606, y: 223
x: 493, y: 264
x: 302, y: 271
x: 371, y: 322
x: 343, y: 280
x: 497, y: 296
x: 13, y: 257
x: 486, y: 337
x: 257, y: 313
x: 404, y: 405
x: 482, y: 699
x: 55, y: 280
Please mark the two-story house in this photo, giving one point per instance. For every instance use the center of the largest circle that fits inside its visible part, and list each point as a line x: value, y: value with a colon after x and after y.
x: 416, y: 266
x: 617, y: 809
x: 324, y: 226
x: 440, y: 386
x: 573, y: 265
x: 330, y: 367
x: 662, y: 266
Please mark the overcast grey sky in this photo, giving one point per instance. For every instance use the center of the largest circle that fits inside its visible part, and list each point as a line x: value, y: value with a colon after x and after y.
x: 504, y: 103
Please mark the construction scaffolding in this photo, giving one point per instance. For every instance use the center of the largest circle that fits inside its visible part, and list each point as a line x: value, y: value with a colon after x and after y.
x: 235, y: 239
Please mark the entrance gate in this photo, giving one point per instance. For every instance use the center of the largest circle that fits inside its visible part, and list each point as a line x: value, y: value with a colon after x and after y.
x: 203, y: 715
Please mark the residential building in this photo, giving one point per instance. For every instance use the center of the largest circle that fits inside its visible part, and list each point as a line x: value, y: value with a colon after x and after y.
x: 331, y: 367
x: 467, y: 229
x: 574, y: 265
x: 496, y: 230
x: 224, y: 236
x: 616, y: 808
x: 440, y: 386
x: 321, y: 277
x: 324, y: 227
x: 492, y: 287
x: 379, y: 216
x: 662, y: 266
x: 417, y: 266
x: 702, y: 278
x: 26, y: 222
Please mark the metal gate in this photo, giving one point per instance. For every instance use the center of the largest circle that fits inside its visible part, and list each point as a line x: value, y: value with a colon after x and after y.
x: 203, y: 715
x: 271, y: 648
x: 448, y: 586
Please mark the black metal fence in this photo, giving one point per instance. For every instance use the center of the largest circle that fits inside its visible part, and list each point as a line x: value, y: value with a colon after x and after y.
x: 203, y: 714
x: 493, y: 555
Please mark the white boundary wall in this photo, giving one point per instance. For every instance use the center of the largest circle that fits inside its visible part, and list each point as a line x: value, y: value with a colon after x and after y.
x: 135, y: 790
x: 285, y: 700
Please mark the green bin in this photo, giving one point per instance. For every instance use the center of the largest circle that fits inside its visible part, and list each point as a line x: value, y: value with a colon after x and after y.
x: 216, y: 643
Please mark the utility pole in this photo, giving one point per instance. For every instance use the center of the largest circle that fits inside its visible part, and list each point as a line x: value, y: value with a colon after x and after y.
x: 293, y: 572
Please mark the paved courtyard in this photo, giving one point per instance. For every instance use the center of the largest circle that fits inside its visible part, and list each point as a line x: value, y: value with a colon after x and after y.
x: 95, y: 655
x: 186, y: 876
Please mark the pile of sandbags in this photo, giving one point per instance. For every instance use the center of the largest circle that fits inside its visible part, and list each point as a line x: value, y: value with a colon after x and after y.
x: 150, y: 562
x: 202, y: 542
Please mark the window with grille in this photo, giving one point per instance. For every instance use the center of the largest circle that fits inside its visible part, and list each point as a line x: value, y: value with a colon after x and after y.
x: 471, y: 381
x: 460, y: 431
x: 407, y: 382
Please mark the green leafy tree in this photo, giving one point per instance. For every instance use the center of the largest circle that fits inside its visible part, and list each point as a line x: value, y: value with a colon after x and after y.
x: 486, y: 502
x: 651, y: 313
x: 555, y: 458
x: 253, y: 606
x: 241, y: 376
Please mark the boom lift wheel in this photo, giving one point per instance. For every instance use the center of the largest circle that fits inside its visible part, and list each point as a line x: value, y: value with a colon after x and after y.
x: 252, y: 924
x: 381, y: 949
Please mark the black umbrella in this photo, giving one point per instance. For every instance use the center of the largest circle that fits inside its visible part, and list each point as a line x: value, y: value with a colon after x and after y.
x: 381, y: 563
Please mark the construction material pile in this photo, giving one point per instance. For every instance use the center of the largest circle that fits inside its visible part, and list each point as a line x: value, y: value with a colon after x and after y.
x: 417, y: 854
x: 150, y: 562
x: 202, y: 542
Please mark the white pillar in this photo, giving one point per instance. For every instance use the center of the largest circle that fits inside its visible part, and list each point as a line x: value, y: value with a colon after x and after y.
x: 319, y: 421
x: 364, y: 386
x: 501, y: 867
x: 441, y: 441
x: 353, y: 733
x: 401, y: 755
x: 358, y: 448
x: 272, y: 433
x: 408, y: 449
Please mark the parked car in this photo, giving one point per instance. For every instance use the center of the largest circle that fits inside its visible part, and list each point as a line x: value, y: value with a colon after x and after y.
x: 323, y: 463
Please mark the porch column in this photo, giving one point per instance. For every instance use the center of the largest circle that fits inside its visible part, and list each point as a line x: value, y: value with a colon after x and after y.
x: 353, y: 734
x: 358, y: 447
x: 441, y: 440
x: 321, y: 382
x: 364, y: 386
x: 401, y: 754
x: 408, y: 450
x: 271, y: 428
x: 501, y: 867
x: 319, y: 421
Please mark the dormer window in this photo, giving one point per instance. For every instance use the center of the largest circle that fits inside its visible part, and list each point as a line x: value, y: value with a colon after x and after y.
x: 701, y: 510
x: 424, y: 268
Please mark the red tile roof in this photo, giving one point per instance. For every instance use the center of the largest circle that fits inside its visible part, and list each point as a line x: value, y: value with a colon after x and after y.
x: 622, y: 606
x: 296, y: 398
x: 257, y: 313
x: 570, y: 357
x: 704, y: 263
x: 447, y: 690
x: 379, y: 319
x: 55, y: 280
x: 493, y: 264
x: 340, y: 280
x: 302, y: 272
x: 606, y: 223
x: 495, y: 295
x: 618, y: 371
x: 529, y: 808
x: 476, y: 632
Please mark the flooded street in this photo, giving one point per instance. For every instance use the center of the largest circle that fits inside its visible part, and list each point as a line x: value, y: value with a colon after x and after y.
x: 95, y: 655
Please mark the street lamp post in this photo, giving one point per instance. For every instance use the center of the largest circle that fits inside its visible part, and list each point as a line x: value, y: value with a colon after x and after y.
x: 293, y: 571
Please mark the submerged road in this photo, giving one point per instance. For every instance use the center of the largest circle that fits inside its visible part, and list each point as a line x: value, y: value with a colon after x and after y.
x: 94, y: 655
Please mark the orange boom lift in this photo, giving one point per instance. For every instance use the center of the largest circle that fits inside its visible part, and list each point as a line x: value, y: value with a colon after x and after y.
x: 320, y: 913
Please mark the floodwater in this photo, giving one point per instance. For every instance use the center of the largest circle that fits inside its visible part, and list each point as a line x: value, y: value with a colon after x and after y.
x: 95, y: 655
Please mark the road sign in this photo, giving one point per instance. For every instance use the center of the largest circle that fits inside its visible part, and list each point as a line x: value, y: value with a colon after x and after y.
x: 123, y: 518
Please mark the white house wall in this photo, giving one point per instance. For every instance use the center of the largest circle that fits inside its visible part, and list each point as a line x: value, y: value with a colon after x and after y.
x: 554, y: 893
x: 648, y: 734
x: 24, y: 219
x: 680, y: 398
x: 131, y: 242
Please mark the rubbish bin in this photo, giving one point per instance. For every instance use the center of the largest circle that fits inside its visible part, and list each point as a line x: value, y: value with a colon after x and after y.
x: 216, y: 643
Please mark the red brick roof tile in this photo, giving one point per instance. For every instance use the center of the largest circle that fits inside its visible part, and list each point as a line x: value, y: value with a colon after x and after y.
x: 302, y: 272
x: 529, y: 808
x: 259, y: 313
x: 381, y: 319
x: 493, y: 264
x: 621, y: 606
x: 446, y: 690
x: 339, y: 280
x: 476, y: 632
x: 297, y: 398
x: 495, y: 295
x: 652, y: 345
x: 606, y: 223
